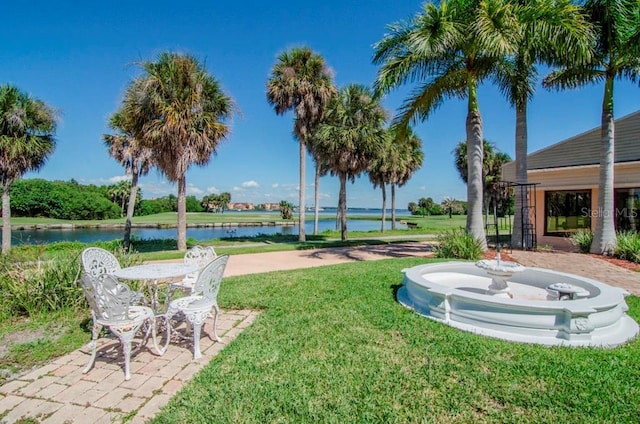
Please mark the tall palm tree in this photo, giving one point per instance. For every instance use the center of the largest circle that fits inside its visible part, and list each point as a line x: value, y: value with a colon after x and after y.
x: 616, y: 56
x: 381, y: 171
x: 185, y: 113
x: 450, y: 48
x: 127, y: 149
x: 349, y: 136
x: 301, y: 81
x: 408, y: 161
x: 27, y: 129
x: 553, y: 31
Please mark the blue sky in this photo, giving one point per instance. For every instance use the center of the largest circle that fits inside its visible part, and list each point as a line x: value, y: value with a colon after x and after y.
x: 79, y: 57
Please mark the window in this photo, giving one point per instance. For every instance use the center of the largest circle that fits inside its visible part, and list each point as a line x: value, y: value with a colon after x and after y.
x: 567, y: 211
x: 627, y: 209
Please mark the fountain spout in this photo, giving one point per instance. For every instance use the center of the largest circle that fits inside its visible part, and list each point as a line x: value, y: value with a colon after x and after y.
x: 499, y: 271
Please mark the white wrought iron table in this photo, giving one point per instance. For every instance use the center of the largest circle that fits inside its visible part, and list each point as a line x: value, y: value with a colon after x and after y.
x: 153, y: 274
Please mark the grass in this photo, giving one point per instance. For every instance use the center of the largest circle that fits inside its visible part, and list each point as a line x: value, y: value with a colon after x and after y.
x: 333, y: 345
x: 41, y: 338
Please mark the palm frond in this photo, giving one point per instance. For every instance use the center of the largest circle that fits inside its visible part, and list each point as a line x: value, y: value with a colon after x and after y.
x: 571, y: 78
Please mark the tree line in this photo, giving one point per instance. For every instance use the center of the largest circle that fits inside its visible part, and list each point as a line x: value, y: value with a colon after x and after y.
x: 70, y: 200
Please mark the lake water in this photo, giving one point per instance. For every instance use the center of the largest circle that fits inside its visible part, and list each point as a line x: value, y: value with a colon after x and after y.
x: 89, y: 235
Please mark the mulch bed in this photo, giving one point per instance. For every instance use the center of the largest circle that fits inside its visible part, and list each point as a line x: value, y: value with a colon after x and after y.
x: 631, y: 266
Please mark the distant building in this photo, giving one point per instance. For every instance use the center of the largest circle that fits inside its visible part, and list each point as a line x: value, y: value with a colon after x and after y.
x: 269, y: 206
x: 239, y: 206
x: 567, y: 174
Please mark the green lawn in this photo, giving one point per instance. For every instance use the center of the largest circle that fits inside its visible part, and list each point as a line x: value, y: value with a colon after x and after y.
x: 333, y: 345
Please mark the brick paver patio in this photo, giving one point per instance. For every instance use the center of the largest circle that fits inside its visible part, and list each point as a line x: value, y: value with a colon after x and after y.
x: 60, y: 393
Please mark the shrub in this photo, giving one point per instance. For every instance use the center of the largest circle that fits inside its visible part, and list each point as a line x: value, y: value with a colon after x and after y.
x: 458, y: 244
x: 29, y: 288
x: 628, y: 246
x: 582, y: 240
x: 35, y: 286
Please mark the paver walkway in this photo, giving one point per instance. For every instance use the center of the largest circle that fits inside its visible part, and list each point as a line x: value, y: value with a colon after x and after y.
x: 581, y: 264
x: 60, y: 393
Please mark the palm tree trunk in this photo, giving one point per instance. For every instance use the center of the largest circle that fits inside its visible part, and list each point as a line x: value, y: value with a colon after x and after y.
x: 182, y: 213
x: 474, y: 167
x: 520, y: 219
x: 122, y: 199
x: 342, y: 205
x: 316, y: 197
x: 384, y: 206
x: 130, y: 208
x: 6, y: 220
x: 604, y: 238
x: 301, y: 205
x: 393, y: 206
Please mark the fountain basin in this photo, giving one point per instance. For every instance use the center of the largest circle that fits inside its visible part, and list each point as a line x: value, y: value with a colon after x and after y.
x: 457, y: 294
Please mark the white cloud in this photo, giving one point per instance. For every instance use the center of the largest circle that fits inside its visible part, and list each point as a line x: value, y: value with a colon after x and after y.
x: 213, y: 190
x: 250, y: 184
x: 118, y: 178
x: 108, y: 181
x: 275, y: 185
x: 193, y: 190
x: 237, y: 189
x: 154, y: 190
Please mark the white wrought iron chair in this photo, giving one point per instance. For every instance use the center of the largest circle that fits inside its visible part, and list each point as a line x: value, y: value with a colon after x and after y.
x: 111, y: 307
x: 200, y: 256
x: 197, y: 307
x: 97, y: 262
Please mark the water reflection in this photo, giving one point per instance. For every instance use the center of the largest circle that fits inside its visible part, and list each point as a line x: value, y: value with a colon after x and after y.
x: 89, y: 235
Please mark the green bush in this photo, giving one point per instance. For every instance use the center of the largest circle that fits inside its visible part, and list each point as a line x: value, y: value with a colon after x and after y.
x: 628, y: 246
x: 582, y: 240
x: 458, y: 244
x: 29, y: 288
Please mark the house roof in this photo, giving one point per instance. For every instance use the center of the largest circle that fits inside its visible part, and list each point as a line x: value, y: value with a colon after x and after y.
x: 584, y: 149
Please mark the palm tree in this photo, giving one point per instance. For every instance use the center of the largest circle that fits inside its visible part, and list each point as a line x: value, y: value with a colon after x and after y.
x: 349, y: 136
x: 27, y: 129
x: 128, y: 150
x: 408, y: 161
x: 553, y: 31
x: 616, y: 55
x: 381, y: 171
x: 185, y: 113
x: 451, y: 48
x: 450, y: 205
x: 301, y: 81
x: 492, y: 162
x: 285, y: 209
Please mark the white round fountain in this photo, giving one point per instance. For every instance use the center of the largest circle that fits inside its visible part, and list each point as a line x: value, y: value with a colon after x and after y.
x: 506, y: 300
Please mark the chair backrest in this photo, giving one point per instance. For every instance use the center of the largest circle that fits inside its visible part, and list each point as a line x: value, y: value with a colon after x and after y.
x: 97, y: 261
x: 200, y: 255
x: 210, y: 277
x: 108, y: 298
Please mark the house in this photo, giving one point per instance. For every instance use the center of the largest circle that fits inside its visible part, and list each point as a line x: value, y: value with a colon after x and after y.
x: 566, y: 176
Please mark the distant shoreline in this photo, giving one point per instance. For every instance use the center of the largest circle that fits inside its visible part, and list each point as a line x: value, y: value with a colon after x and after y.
x: 30, y: 227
